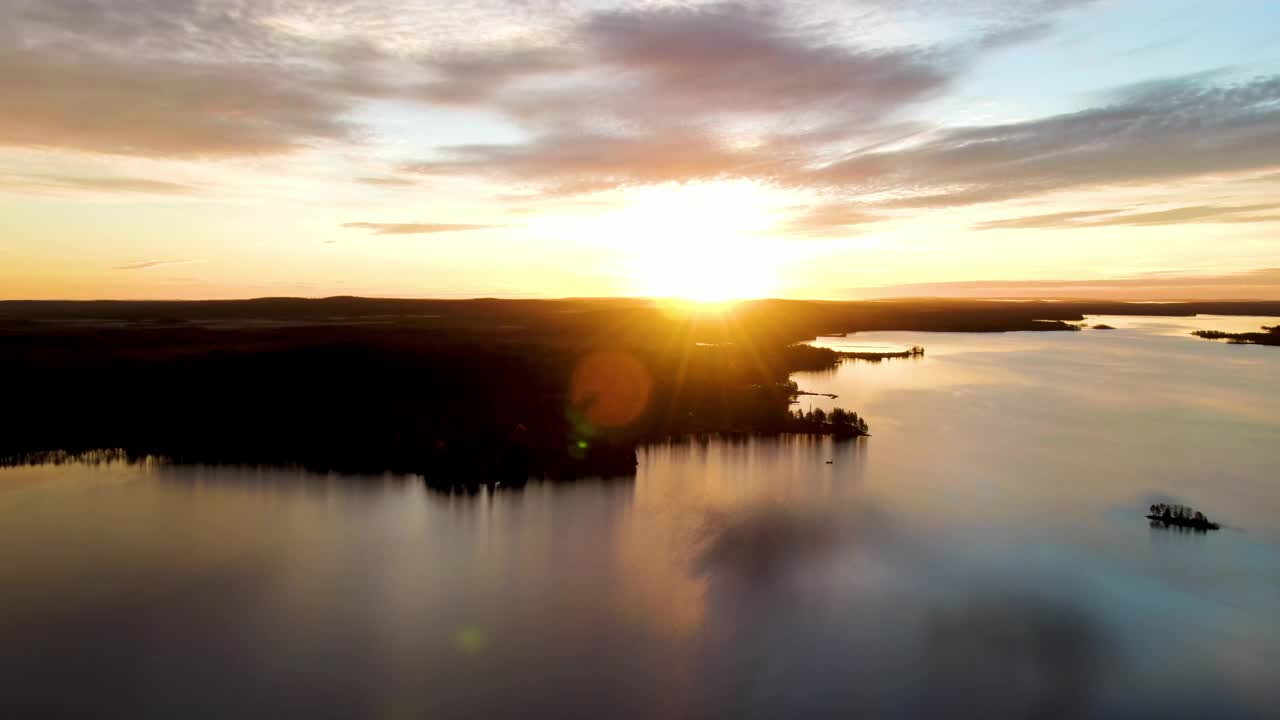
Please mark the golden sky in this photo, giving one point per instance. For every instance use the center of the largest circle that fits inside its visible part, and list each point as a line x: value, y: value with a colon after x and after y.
x: 239, y: 148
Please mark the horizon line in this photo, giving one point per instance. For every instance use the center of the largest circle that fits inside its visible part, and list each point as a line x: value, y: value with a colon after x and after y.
x: 736, y: 301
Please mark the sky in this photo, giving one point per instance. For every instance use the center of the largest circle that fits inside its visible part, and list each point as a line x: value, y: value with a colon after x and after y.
x: 568, y: 148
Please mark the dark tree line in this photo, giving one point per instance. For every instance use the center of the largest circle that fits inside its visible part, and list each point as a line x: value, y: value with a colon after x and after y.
x: 1181, y: 516
x: 838, y: 422
x: 1270, y: 335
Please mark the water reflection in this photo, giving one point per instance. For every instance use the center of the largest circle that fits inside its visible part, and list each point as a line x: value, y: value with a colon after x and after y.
x: 845, y: 618
x: 984, y: 554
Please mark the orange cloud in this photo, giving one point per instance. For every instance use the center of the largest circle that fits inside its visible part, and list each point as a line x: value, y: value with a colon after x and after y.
x: 103, y: 184
x: 1257, y: 284
x: 1122, y: 216
x: 415, y: 228
x: 95, y: 103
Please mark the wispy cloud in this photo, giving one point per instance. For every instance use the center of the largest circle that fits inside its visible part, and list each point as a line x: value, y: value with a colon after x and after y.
x: 159, y: 108
x: 579, y: 162
x: 687, y: 74
x: 1257, y: 284
x: 416, y: 228
x: 387, y: 181
x: 163, y: 78
x: 155, y: 263
x: 608, y: 96
x: 1260, y: 212
x: 643, y: 95
x: 1068, y: 219
x: 828, y: 220
x: 1182, y: 127
x: 121, y: 184
x: 59, y: 184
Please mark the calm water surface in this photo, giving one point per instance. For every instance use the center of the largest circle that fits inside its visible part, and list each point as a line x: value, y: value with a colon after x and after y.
x: 982, y: 555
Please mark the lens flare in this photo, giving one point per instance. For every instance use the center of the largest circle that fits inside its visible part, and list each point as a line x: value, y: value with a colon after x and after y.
x: 610, y: 388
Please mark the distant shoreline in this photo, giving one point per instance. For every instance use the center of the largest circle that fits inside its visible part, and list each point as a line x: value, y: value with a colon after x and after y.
x: 1270, y: 335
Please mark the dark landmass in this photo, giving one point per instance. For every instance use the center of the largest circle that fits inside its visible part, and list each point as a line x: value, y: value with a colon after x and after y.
x: 915, y: 351
x: 1179, y: 516
x: 1270, y: 335
x: 460, y: 391
x: 1103, y: 326
x: 838, y: 422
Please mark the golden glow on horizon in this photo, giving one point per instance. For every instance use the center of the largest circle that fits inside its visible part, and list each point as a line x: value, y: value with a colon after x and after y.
x: 708, y: 244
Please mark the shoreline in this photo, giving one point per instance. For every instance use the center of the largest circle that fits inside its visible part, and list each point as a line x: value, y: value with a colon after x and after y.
x: 612, y: 462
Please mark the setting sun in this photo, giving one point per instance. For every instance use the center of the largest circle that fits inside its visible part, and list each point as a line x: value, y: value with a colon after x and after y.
x: 706, y: 273
x: 701, y: 242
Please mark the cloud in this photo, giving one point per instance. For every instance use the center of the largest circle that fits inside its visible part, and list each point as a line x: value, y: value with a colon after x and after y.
x: 789, y: 94
x: 659, y: 65
x: 1150, y: 132
x: 386, y: 181
x: 477, y: 76
x: 1048, y: 220
x: 584, y: 162
x: 746, y: 58
x: 677, y: 93
x: 1124, y: 217
x: 1253, y: 285
x: 155, y: 263
x: 58, y: 97
x: 147, y: 27
x: 828, y: 220
x: 193, y: 79
x: 1019, y: 22
x: 415, y: 228
x: 169, y: 78
x: 98, y: 184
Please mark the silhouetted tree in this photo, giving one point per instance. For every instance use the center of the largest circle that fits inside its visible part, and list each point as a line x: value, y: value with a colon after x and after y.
x: 1180, y: 516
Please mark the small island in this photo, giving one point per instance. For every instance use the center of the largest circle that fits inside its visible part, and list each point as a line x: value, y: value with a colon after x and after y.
x: 839, y: 422
x: 1103, y: 326
x: 798, y: 393
x: 1270, y: 335
x: 915, y: 351
x: 1181, y: 516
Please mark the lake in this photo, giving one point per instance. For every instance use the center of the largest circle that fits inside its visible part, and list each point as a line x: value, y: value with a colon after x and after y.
x: 983, y: 554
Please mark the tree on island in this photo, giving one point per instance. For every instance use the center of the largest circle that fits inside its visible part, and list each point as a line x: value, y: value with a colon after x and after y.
x: 1181, y: 516
x: 1270, y: 335
x: 838, y: 421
